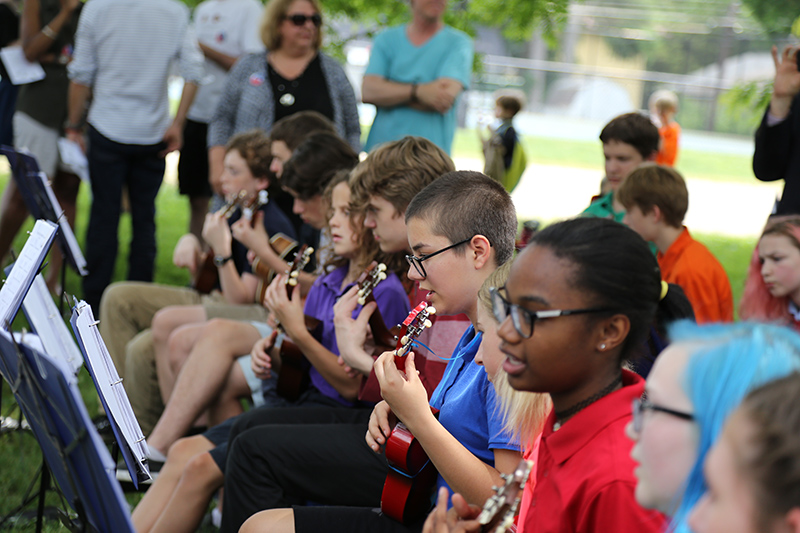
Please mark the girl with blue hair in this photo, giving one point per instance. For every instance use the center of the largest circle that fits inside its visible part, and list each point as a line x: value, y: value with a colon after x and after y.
x: 693, y: 387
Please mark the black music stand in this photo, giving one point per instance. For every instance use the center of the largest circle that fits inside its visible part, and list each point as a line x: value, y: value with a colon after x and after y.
x: 72, y: 450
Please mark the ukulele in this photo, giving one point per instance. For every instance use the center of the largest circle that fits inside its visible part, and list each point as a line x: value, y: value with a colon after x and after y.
x: 383, y: 337
x: 293, y: 376
x: 409, y: 484
x: 502, y: 507
x: 208, y: 275
x: 282, y: 245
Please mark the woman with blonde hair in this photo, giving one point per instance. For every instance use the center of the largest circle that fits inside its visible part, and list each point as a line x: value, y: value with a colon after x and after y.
x: 294, y: 75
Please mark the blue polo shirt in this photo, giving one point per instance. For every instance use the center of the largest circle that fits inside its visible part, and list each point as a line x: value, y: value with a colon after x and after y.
x: 468, y: 405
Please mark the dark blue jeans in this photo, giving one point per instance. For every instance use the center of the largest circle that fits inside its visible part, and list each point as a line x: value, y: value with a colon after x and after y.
x: 112, y: 166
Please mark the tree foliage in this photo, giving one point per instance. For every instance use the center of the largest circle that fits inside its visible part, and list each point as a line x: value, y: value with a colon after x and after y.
x: 776, y: 16
x: 515, y: 18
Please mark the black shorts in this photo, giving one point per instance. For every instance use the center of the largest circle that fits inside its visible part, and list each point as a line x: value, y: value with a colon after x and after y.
x: 308, y: 519
x: 193, y: 162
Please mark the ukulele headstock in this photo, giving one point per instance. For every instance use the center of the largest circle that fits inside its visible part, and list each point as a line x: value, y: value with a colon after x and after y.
x: 501, y: 508
x: 368, y: 280
x: 415, y: 323
x: 251, y: 206
x: 301, y: 259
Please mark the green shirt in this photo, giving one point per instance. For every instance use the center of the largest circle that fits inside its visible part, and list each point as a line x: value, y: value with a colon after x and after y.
x: 603, y: 207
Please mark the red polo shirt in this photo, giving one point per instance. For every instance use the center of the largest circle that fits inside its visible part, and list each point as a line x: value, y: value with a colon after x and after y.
x: 584, y: 477
x: 689, y: 264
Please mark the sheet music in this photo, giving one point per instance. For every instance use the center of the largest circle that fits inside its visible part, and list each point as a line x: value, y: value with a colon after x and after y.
x: 109, y: 387
x: 48, y: 324
x: 63, y: 225
x: 25, y: 269
x: 20, y: 70
x: 73, y: 157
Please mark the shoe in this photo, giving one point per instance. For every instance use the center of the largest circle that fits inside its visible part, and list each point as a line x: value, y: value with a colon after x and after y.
x: 103, y: 426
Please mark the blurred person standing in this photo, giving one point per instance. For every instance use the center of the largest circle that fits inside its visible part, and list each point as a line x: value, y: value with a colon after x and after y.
x: 226, y: 30
x: 776, y: 155
x: 123, y: 53
x: 294, y: 75
x: 415, y: 74
x: 46, y: 34
x: 9, y: 32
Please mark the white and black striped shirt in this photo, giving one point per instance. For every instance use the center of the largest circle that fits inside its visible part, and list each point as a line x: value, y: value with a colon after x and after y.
x: 123, y: 51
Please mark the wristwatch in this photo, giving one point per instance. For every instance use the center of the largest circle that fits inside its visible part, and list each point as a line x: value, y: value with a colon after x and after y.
x: 220, y: 260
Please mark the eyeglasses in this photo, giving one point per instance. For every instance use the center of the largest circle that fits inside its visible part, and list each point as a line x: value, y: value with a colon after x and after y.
x: 640, y: 405
x: 416, y: 262
x: 299, y: 19
x: 523, y: 320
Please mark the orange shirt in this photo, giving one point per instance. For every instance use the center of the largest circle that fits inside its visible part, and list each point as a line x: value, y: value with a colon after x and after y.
x: 668, y: 152
x: 689, y: 264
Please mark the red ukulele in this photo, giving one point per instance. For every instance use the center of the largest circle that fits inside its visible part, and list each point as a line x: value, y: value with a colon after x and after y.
x: 293, y: 375
x: 409, y: 485
x: 500, y: 510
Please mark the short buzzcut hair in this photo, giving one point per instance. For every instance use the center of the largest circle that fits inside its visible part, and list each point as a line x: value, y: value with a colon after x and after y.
x: 254, y: 147
x: 634, y: 129
x: 465, y: 203
x: 315, y: 162
x: 398, y: 170
x: 297, y: 126
x: 274, y: 14
x: 656, y: 185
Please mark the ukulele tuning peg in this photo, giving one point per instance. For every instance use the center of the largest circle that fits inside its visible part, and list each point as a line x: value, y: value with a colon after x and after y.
x: 361, y: 300
x: 382, y: 276
x: 292, y: 282
x: 404, y: 340
x: 431, y: 310
x: 263, y: 196
x: 381, y: 267
x: 427, y: 323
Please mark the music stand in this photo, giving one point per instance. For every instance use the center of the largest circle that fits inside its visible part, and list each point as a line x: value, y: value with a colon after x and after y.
x: 42, y: 203
x: 47, y: 393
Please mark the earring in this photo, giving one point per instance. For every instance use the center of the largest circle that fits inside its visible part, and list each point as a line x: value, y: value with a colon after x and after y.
x: 603, y: 346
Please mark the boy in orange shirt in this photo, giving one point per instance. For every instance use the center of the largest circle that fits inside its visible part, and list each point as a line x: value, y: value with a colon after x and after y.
x: 664, y: 105
x: 656, y: 199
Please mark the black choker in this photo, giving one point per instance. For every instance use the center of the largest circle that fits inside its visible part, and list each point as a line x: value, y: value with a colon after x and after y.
x: 567, y: 413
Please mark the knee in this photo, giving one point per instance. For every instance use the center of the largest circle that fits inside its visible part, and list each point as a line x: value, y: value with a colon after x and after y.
x: 163, y: 324
x: 177, y: 351
x: 184, y: 450
x: 202, y: 473
x: 274, y: 520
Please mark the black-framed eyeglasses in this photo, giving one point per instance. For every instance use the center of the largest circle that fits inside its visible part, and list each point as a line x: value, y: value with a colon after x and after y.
x: 416, y: 262
x: 523, y: 319
x: 640, y: 405
x: 299, y: 19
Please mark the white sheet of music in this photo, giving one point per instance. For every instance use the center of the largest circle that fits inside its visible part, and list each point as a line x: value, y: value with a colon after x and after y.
x: 49, y: 325
x: 109, y: 384
x: 63, y: 225
x: 25, y: 269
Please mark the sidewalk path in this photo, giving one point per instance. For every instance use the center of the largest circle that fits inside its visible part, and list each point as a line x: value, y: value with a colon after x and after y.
x: 549, y: 192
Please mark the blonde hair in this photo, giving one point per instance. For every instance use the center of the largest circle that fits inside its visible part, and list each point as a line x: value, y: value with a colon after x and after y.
x: 524, y: 412
x: 663, y: 100
x: 274, y: 14
x: 398, y: 170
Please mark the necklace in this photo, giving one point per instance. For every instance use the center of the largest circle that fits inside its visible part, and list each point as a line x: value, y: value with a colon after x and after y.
x: 567, y: 413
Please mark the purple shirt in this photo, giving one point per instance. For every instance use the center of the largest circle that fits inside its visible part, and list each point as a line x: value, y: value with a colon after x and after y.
x: 392, y: 302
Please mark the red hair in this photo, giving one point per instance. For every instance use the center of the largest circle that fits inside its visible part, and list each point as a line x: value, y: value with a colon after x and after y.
x: 757, y: 303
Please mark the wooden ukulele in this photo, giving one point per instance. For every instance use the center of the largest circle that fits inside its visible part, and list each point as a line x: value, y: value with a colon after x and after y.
x: 500, y: 510
x: 208, y: 275
x: 293, y: 376
x: 383, y: 337
x: 406, y: 495
x: 282, y: 245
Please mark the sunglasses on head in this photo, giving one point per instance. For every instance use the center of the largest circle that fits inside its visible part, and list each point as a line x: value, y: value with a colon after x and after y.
x: 300, y: 19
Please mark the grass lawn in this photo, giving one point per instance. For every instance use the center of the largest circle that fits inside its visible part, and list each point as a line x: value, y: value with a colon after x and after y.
x: 19, y: 454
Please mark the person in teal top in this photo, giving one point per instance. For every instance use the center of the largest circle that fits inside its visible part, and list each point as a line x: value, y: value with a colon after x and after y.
x: 415, y: 74
x: 628, y: 141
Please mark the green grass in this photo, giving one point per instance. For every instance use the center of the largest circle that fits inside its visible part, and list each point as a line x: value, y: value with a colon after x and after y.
x: 588, y: 154
x: 19, y: 454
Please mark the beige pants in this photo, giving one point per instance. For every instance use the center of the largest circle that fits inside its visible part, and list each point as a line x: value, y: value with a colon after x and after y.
x: 126, y: 312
